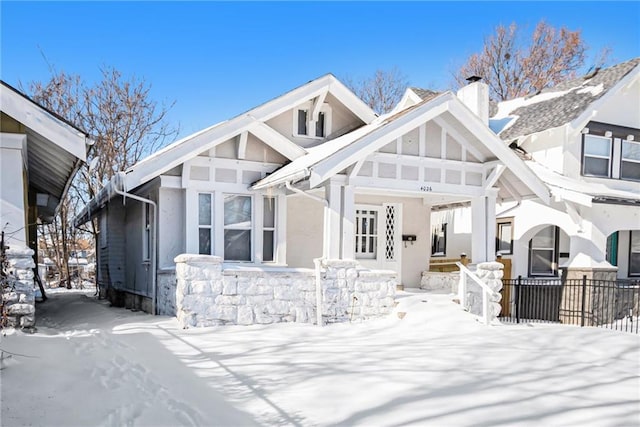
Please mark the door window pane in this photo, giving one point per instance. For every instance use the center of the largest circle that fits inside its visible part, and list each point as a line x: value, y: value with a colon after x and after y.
x: 366, y: 234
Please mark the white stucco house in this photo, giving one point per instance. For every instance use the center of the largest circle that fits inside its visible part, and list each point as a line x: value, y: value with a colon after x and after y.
x: 302, y: 207
x: 582, y: 139
x: 39, y: 155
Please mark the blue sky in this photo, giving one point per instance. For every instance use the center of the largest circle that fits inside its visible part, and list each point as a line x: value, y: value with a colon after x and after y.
x: 218, y: 59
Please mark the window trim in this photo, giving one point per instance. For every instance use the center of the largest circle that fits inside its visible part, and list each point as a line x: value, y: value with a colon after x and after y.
x: 618, y: 136
x: 499, y: 223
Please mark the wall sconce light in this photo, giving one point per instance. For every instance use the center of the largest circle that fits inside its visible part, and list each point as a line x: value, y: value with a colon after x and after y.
x: 585, y: 130
x: 608, y: 134
x: 630, y: 137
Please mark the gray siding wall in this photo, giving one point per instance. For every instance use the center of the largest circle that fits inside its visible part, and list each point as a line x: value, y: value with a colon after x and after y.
x: 112, y: 245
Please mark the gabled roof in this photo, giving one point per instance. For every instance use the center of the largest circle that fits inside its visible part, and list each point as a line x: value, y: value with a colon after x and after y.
x: 181, y: 150
x: 559, y: 105
x: 334, y: 156
x: 424, y: 94
x: 55, y: 147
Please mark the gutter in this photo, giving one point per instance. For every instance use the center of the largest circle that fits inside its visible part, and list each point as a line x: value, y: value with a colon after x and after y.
x: 119, y: 182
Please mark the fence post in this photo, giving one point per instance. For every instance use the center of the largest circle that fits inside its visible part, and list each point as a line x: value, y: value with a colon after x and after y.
x: 584, y: 298
x: 517, y: 299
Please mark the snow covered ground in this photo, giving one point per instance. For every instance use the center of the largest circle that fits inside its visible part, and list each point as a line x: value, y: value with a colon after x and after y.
x: 89, y: 364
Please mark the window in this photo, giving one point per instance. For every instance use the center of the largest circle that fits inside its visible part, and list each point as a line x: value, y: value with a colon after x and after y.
x: 504, y: 236
x: 205, y: 224
x: 610, y: 151
x: 439, y: 240
x: 597, y: 156
x: 320, y: 126
x: 146, y: 232
x: 634, y: 253
x: 302, y: 122
x: 366, y: 234
x: 630, y: 160
x: 543, y: 252
x: 268, y: 229
x: 237, y: 227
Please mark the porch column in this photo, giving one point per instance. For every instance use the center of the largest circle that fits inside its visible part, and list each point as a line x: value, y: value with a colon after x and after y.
x: 332, y: 229
x: 348, y: 221
x: 483, y: 228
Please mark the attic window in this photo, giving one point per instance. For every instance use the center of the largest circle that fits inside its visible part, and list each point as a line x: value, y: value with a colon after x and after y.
x: 304, y: 125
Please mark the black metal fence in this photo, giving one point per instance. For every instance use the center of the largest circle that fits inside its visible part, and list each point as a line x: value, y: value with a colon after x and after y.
x: 584, y: 302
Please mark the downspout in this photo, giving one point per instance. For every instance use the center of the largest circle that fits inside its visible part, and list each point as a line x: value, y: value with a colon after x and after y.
x: 316, y: 261
x: 154, y: 235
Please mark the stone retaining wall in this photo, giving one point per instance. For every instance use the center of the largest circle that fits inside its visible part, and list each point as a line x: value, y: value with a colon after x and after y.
x: 440, y: 282
x: 18, y: 296
x: 207, y: 295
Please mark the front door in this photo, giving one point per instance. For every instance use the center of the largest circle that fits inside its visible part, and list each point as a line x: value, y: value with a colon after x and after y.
x: 378, y: 237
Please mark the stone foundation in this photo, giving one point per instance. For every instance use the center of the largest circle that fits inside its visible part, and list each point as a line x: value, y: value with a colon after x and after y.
x: 166, y: 294
x: 440, y: 282
x: 207, y: 295
x: 19, y: 297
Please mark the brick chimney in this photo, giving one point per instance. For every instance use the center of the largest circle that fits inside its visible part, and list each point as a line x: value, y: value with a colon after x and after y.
x: 475, y: 95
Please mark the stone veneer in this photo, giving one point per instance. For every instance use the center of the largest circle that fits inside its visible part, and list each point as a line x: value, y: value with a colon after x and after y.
x: 434, y: 281
x: 208, y: 295
x: 599, y: 301
x: 491, y: 274
x: 18, y: 297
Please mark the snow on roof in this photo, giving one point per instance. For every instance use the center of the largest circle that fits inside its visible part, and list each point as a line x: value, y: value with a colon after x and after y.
x: 594, y: 189
x: 559, y: 105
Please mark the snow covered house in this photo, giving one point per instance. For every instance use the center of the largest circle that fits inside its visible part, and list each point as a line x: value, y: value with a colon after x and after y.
x: 309, y: 200
x: 582, y: 139
x: 39, y: 155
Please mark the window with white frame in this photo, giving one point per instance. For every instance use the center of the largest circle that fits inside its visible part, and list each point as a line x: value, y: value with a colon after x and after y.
x: 366, y: 234
x: 611, y: 151
x: 596, y: 159
x: 634, y: 253
x: 237, y: 227
x: 504, y: 236
x: 543, y: 252
x: 146, y: 232
x: 205, y: 223
x: 630, y: 160
x: 269, y: 229
x: 304, y: 125
x: 439, y: 240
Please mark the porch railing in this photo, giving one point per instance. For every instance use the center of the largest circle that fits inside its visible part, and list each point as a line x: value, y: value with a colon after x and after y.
x: 583, y: 302
x: 487, y: 292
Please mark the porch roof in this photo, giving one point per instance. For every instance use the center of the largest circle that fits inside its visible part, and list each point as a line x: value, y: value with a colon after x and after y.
x: 581, y: 192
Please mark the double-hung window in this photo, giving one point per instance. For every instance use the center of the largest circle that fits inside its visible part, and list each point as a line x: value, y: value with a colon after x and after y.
x: 268, y: 229
x: 237, y: 227
x: 205, y: 223
x: 543, y: 252
x: 630, y: 160
x: 597, y: 156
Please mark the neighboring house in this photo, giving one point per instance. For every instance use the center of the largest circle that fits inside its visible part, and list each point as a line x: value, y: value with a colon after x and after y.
x: 39, y: 155
x: 312, y: 174
x: 582, y: 139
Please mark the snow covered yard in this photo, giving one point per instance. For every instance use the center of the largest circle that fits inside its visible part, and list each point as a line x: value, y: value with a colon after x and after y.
x: 89, y: 364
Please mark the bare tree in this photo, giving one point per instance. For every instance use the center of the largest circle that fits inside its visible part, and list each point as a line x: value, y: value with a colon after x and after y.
x: 125, y: 123
x: 382, y: 91
x: 513, y: 68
